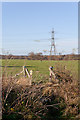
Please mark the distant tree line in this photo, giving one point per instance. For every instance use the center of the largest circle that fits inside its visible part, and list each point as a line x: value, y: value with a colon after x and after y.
x: 40, y: 56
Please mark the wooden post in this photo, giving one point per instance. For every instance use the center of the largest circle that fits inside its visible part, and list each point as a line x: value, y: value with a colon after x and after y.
x: 24, y: 69
x: 31, y: 76
x: 50, y: 75
x: 28, y: 73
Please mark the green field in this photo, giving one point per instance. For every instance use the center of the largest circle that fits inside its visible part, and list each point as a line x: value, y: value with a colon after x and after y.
x: 40, y: 68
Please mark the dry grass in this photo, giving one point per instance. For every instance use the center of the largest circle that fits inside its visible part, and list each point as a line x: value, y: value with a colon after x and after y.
x: 23, y: 81
x: 58, y: 100
x: 55, y: 101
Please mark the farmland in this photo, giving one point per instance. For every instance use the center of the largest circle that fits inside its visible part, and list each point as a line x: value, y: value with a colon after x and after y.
x: 40, y: 68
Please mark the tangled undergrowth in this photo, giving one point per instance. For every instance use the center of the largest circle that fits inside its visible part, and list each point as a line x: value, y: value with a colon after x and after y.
x: 51, y: 101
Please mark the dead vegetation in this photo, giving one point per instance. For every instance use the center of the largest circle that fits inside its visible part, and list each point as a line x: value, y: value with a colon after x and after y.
x: 51, y: 101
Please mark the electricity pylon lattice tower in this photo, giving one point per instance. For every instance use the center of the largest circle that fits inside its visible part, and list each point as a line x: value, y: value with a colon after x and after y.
x: 52, y: 44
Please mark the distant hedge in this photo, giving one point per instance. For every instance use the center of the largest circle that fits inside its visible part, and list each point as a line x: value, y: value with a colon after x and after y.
x: 43, y: 57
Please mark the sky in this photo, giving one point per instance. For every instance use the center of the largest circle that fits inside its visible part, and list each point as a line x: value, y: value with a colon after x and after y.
x: 27, y: 26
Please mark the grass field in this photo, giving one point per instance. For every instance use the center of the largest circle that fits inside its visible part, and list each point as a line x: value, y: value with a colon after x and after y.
x: 40, y: 68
